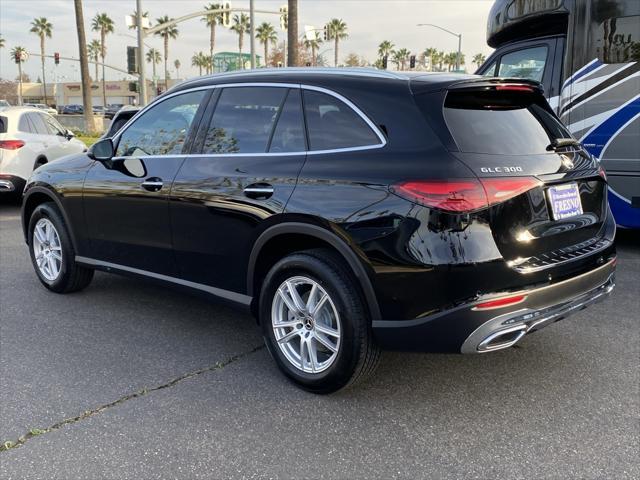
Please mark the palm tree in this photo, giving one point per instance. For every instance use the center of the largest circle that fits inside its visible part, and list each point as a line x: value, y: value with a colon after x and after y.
x: 400, y: 57
x: 385, y: 48
x: 89, y: 124
x: 196, y: 61
x: 212, y: 20
x: 438, y: 59
x: 293, y: 58
x: 19, y: 52
x: 450, y: 60
x: 176, y: 63
x: 93, y: 49
x: 166, y: 34
x: 42, y: 27
x: 1, y: 42
x: 336, y: 30
x: 102, y: 23
x: 154, y: 58
x: 479, y: 59
x: 240, y: 26
x: 314, y: 45
x: 431, y: 54
x: 135, y: 15
x: 266, y: 34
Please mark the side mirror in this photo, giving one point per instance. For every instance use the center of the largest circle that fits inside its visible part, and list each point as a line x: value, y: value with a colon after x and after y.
x: 102, y: 150
x: 69, y: 134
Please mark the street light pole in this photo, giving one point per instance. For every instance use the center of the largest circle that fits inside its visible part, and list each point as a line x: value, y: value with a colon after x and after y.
x: 142, y: 91
x: 252, y: 34
x: 459, y: 35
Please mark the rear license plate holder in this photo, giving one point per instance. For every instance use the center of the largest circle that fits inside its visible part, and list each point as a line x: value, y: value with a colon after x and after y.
x: 564, y: 200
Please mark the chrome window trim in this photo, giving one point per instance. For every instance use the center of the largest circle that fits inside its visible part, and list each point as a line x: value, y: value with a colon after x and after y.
x: 218, y: 292
x: 346, y: 101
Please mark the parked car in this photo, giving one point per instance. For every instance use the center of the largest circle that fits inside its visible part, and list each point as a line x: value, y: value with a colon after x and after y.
x: 350, y: 210
x: 112, y: 109
x: 72, y: 110
x: 98, y: 109
x: 42, y: 106
x: 29, y: 138
x: 4, y: 103
x: 123, y: 115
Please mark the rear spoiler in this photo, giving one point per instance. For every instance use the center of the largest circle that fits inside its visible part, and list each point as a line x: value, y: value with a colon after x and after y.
x: 480, y: 83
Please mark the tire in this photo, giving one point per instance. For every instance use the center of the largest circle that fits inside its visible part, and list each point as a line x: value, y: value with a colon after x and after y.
x: 68, y: 276
x: 341, y: 322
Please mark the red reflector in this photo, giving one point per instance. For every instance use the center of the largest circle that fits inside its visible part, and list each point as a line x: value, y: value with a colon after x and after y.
x: 500, y: 302
x: 464, y: 195
x: 602, y: 173
x: 515, y: 88
x: 11, y: 144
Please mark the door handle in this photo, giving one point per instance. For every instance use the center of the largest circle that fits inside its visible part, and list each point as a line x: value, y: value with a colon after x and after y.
x: 258, y: 191
x: 152, y: 184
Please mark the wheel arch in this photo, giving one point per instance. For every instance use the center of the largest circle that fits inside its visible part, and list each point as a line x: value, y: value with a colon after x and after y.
x: 37, y: 195
x: 285, y: 238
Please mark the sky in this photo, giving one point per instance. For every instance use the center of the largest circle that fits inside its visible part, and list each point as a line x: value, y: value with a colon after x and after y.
x: 369, y: 22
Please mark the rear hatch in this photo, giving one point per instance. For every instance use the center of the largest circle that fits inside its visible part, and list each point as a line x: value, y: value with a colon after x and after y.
x: 547, y: 195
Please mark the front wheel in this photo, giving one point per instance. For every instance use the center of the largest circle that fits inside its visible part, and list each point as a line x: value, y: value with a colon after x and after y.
x: 314, y: 322
x: 52, y: 252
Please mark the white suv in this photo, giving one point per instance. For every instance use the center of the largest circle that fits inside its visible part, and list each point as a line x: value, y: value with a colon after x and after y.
x: 29, y: 138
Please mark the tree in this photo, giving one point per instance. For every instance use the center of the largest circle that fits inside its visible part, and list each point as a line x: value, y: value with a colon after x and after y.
x: 102, y: 23
x: 430, y: 53
x: 479, y: 59
x: 19, y: 52
x: 84, y: 68
x: 353, y: 60
x: 336, y: 30
x: 176, y: 63
x: 170, y: 32
x: 135, y: 15
x: 438, y: 59
x: 385, y: 48
x: 42, y: 27
x: 400, y: 58
x: 154, y: 58
x: 266, y: 34
x: 212, y: 20
x: 450, y: 60
x: 240, y: 26
x: 1, y: 42
x: 292, y: 34
x: 313, y: 45
x: 197, y: 60
x: 93, y: 49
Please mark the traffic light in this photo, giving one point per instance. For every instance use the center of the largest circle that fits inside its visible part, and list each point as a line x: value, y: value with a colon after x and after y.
x: 325, y: 33
x: 226, y: 16
x: 132, y: 59
x: 384, y: 61
x: 412, y: 61
x: 133, y: 86
x: 56, y: 58
x: 284, y: 17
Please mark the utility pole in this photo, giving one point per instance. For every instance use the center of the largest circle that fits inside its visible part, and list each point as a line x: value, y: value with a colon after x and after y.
x: 142, y: 89
x: 292, y: 33
x: 252, y: 33
x: 459, y: 35
x: 84, y: 69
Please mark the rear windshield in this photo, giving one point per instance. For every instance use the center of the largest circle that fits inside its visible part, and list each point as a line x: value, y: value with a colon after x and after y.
x: 3, y: 124
x: 503, y: 123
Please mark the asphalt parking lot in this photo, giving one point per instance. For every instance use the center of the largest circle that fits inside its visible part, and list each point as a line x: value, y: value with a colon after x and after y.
x: 133, y: 380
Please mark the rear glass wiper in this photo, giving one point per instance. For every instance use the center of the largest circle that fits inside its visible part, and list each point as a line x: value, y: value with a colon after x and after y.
x: 563, y: 142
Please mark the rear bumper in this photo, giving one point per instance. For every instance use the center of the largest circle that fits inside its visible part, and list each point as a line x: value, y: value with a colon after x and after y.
x: 466, y: 330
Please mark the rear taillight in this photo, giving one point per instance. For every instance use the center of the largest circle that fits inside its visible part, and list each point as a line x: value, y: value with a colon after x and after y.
x: 500, y: 302
x: 514, y: 88
x: 459, y: 196
x: 602, y: 173
x: 11, y: 144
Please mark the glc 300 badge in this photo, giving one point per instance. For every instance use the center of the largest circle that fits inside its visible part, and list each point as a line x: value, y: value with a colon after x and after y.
x: 500, y: 169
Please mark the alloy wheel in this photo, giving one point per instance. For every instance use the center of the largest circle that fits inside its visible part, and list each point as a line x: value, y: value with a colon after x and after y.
x: 47, y: 249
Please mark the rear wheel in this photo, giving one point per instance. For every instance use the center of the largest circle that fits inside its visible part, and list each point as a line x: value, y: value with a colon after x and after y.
x: 315, y: 324
x: 52, y: 252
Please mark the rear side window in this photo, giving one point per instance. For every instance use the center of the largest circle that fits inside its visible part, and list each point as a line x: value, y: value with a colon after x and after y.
x: 332, y: 124
x: 52, y: 124
x: 3, y: 124
x: 163, y: 129
x: 527, y: 63
x: 38, y: 123
x: 243, y: 120
x: 24, y: 125
x: 499, y: 122
x: 288, y: 135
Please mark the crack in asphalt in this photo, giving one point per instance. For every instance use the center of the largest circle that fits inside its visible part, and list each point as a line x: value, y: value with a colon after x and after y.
x: 35, y: 432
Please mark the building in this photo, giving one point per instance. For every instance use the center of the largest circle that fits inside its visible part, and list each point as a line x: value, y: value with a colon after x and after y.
x: 228, y: 61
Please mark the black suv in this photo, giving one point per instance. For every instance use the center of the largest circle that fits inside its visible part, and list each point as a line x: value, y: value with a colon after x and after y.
x: 349, y: 210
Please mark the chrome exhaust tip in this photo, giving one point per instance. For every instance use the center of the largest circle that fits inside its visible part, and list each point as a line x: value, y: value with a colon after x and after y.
x: 502, y: 339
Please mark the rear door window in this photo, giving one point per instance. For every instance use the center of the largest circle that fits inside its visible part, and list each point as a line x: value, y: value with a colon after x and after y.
x: 3, y: 124
x: 243, y: 120
x: 528, y: 63
x: 288, y: 135
x: 38, y: 123
x: 510, y: 123
x: 52, y: 124
x: 332, y: 124
x: 23, y: 125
